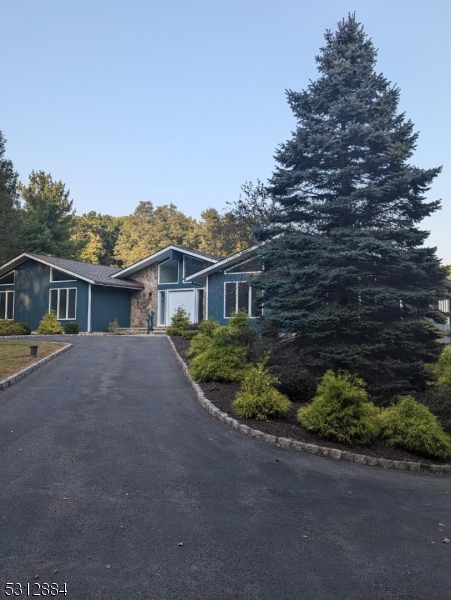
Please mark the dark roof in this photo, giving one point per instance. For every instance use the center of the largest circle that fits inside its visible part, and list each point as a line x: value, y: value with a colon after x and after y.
x: 97, y: 274
x: 205, y: 254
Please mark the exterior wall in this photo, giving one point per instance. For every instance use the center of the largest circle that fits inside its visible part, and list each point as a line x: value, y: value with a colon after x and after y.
x: 31, y: 298
x: 142, y: 302
x: 107, y: 304
x: 216, y: 294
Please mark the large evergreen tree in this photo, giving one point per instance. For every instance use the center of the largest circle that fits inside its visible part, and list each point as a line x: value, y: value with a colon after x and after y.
x: 48, y: 222
x: 9, y: 208
x: 348, y: 278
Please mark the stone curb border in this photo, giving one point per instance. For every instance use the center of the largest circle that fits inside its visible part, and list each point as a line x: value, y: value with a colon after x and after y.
x: 9, y: 381
x: 359, y: 459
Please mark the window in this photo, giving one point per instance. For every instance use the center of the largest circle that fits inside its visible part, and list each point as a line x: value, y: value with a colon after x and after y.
x: 253, y: 265
x: 56, y: 275
x: 7, y: 305
x: 168, y: 272
x: 162, y: 308
x: 191, y: 265
x: 8, y: 279
x: 239, y: 295
x: 63, y: 301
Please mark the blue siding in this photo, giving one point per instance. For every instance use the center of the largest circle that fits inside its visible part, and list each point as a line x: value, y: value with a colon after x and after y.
x: 176, y: 255
x: 109, y: 303
x: 31, y: 298
x: 216, y: 294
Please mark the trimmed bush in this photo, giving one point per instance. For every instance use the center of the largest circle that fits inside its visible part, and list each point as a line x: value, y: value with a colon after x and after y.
x: 442, y: 368
x: 179, y: 322
x: 246, y: 336
x: 258, y: 398
x: 411, y: 426
x: 26, y: 327
x: 49, y: 324
x: 341, y: 411
x: 113, y: 325
x: 438, y: 400
x: 189, y: 334
x: 220, y: 363
x: 11, y: 328
x: 71, y: 327
x: 203, y: 340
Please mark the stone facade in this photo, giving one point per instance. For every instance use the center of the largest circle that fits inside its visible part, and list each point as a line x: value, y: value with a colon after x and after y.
x: 146, y: 300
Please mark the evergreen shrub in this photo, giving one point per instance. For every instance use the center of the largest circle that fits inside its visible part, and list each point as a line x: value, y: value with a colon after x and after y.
x: 442, y: 368
x: 179, y: 322
x: 72, y: 327
x: 341, y: 411
x: 113, y: 325
x: 246, y: 336
x: 49, y: 324
x: 411, y: 426
x: 26, y: 328
x: 203, y: 340
x: 438, y: 400
x: 219, y: 363
x: 258, y: 398
x: 12, y: 328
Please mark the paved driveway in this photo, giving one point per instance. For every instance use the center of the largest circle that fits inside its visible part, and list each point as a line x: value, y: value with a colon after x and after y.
x: 107, y: 459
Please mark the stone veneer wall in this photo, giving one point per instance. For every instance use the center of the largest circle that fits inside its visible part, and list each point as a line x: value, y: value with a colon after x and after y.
x: 147, y: 299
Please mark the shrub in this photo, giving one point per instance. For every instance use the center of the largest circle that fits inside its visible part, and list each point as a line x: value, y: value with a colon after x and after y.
x: 438, y: 400
x: 220, y: 363
x: 341, y: 411
x: 203, y: 340
x: 246, y: 336
x: 296, y: 382
x: 11, y: 328
x: 411, y: 426
x: 258, y: 398
x: 71, y: 327
x: 113, y: 325
x: 26, y: 328
x: 179, y: 322
x: 49, y: 324
x: 189, y: 334
x: 442, y: 368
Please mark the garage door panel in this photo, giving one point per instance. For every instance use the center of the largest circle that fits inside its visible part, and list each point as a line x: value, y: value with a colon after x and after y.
x: 183, y: 299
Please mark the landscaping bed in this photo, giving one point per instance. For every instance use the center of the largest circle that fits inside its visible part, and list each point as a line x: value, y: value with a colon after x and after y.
x: 223, y: 394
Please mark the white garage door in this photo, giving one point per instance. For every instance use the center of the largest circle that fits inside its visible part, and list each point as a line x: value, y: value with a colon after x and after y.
x: 183, y: 299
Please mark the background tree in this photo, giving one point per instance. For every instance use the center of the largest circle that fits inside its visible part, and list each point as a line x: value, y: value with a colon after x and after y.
x: 101, y: 233
x: 48, y: 219
x: 150, y: 229
x: 9, y: 208
x: 349, y: 278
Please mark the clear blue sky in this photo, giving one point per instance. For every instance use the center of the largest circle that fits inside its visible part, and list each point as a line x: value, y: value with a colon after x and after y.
x: 184, y: 100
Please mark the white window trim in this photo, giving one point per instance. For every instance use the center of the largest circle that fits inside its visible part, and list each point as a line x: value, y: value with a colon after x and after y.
x: 8, y: 293
x: 59, y: 280
x: 249, y: 298
x: 14, y: 275
x: 161, y: 316
x: 67, y: 303
x: 178, y: 272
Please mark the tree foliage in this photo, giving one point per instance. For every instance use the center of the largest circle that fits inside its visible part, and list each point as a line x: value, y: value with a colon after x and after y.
x: 9, y: 207
x: 48, y: 218
x: 346, y: 272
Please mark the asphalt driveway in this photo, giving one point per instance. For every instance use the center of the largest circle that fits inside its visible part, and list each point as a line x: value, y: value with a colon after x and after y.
x: 108, y: 463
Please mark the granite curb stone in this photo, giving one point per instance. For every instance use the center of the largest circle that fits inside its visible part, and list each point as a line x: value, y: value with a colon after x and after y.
x: 9, y: 381
x: 322, y: 451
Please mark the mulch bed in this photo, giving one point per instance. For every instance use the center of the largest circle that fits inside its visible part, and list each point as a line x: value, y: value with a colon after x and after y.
x: 223, y: 394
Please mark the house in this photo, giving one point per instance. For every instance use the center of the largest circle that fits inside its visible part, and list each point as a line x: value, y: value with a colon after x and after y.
x: 94, y: 295
x: 228, y: 286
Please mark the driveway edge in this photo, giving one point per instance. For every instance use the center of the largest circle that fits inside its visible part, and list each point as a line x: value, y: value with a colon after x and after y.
x: 324, y: 451
x: 12, y: 379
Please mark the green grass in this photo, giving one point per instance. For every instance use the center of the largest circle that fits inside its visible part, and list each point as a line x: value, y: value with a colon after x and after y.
x: 15, y: 355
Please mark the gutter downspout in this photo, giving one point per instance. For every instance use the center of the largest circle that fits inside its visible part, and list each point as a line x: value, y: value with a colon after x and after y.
x: 89, y: 309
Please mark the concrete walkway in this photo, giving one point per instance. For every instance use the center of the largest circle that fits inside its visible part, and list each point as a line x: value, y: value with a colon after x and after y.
x: 108, y: 463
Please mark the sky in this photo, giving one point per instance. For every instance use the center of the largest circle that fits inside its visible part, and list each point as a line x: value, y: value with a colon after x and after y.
x: 183, y: 101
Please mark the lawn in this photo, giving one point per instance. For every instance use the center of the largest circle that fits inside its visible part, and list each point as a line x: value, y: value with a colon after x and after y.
x: 15, y: 355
